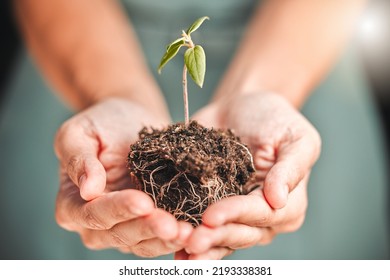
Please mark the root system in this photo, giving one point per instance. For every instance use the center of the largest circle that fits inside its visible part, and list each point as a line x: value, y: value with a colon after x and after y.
x: 186, y: 169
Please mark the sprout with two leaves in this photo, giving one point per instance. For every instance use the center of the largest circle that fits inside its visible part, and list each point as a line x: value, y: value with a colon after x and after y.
x: 194, y: 60
x: 186, y: 168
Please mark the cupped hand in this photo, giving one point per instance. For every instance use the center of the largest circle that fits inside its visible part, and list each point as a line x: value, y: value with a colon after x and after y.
x: 96, y: 197
x: 285, y: 146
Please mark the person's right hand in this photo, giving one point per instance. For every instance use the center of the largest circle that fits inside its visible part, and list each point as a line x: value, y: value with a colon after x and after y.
x: 96, y: 198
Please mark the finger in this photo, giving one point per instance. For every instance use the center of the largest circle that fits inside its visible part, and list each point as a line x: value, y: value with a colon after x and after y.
x: 233, y: 236
x: 105, y: 211
x: 77, y: 148
x: 245, y: 209
x: 212, y: 254
x: 181, y: 255
x: 153, y: 248
x: 185, y: 231
x: 163, y: 224
x: 117, y: 173
x: 133, y: 232
x: 123, y: 183
x: 264, y: 157
x: 115, y: 158
x: 293, y: 215
x: 293, y: 163
x: 118, y: 178
x: 265, y: 151
x: 253, y: 210
x: 92, y: 180
x: 149, y: 248
x: 163, y: 245
x: 263, y: 164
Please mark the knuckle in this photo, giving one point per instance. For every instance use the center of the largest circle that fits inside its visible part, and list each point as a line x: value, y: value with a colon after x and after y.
x: 260, y: 140
x: 145, y: 229
x: 246, y: 242
x: 73, y: 165
x: 295, y: 225
x: 120, y: 215
x: 60, y: 218
x: 317, y: 137
x: 89, y: 242
x: 61, y: 221
x: 62, y: 130
x: 91, y: 220
x: 316, y: 143
x: 116, y: 238
x: 319, y: 144
x: 267, y: 238
x: 121, y: 211
x: 62, y: 133
x: 266, y: 241
x: 144, y: 251
x: 264, y: 220
x: 296, y: 221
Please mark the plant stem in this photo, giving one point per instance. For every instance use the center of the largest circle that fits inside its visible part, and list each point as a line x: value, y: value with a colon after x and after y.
x: 185, y: 96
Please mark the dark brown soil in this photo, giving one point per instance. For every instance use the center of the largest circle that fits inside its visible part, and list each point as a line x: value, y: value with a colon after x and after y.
x: 185, y: 169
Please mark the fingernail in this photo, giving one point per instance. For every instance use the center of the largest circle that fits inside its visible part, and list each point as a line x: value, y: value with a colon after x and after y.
x: 82, y: 180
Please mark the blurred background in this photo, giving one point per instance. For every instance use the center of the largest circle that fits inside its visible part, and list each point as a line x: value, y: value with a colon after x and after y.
x: 349, y: 198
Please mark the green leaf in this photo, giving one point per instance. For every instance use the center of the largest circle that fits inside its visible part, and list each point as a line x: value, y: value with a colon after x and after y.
x: 196, y: 25
x: 195, y: 60
x: 172, y: 50
x: 174, y: 42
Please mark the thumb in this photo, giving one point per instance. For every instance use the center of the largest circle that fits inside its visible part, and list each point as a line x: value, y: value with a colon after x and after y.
x: 293, y: 163
x: 87, y: 172
x: 77, y: 152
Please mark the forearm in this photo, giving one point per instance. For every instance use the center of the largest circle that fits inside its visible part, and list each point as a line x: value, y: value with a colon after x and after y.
x: 88, y: 51
x: 289, y: 46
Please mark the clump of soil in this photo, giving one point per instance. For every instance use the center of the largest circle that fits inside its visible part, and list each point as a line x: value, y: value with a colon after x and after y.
x: 185, y: 169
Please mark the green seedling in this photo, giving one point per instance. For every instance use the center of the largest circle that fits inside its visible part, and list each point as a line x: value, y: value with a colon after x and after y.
x: 194, y: 60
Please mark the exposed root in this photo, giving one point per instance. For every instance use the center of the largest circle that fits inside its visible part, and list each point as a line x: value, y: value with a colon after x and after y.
x: 185, y: 169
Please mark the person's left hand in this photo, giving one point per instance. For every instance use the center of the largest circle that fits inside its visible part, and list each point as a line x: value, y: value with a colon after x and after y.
x: 284, y: 146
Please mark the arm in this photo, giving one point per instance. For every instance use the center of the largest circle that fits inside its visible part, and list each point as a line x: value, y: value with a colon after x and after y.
x: 289, y: 47
x: 88, y: 51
